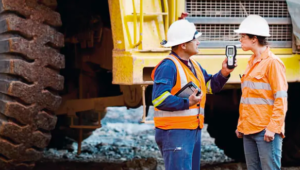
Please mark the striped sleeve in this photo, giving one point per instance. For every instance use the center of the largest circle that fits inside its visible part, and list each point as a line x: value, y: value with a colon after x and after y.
x: 164, y: 80
x: 279, y: 86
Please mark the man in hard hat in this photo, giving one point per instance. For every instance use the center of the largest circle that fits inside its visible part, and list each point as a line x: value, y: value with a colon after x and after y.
x: 179, y: 121
x: 263, y: 104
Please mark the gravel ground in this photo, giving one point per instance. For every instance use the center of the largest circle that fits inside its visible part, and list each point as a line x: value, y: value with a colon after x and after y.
x: 124, y: 143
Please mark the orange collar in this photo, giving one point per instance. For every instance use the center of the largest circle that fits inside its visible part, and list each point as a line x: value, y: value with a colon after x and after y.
x: 263, y: 56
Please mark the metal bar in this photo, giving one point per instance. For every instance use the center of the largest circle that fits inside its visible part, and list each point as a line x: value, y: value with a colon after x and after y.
x: 80, y: 86
x: 86, y: 127
x: 157, y: 28
x: 176, y: 10
x: 79, y: 142
x: 126, y: 25
x: 151, y: 14
x: 224, y: 20
x: 274, y: 44
x: 134, y: 22
x: 172, y: 16
x: 231, y: 8
x: 144, y: 103
x: 127, y: 31
x: 221, y: 51
x: 139, y: 44
x: 144, y: 107
x: 80, y: 135
x: 141, y: 24
x: 166, y: 10
x: 80, y: 105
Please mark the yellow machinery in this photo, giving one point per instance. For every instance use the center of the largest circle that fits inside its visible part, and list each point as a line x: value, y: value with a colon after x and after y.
x: 138, y: 27
x: 133, y: 61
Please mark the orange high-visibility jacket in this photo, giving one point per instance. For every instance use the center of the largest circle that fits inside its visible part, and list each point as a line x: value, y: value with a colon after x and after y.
x: 183, y: 119
x: 264, y: 95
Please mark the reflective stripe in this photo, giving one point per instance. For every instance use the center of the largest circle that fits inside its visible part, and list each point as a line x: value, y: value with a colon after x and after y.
x: 252, y: 85
x: 202, y: 111
x: 160, y: 98
x: 257, y: 101
x: 183, y: 79
x: 190, y: 112
x: 208, y: 88
x: 280, y: 94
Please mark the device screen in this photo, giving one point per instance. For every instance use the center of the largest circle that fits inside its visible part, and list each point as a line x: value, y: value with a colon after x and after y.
x: 230, y: 51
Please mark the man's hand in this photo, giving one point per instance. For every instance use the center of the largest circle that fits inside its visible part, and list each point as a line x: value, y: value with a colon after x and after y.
x: 226, y: 71
x: 269, y: 136
x: 238, y: 134
x: 193, y: 99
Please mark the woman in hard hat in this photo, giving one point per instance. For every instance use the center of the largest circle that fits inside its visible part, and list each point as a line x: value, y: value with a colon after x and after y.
x: 263, y: 103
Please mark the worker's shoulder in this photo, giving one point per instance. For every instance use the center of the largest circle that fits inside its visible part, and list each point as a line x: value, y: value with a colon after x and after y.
x: 166, y: 63
x: 273, y: 59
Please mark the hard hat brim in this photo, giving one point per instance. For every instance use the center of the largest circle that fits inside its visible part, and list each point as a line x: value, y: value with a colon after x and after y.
x: 247, y: 32
x: 198, y: 35
x: 171, y: 44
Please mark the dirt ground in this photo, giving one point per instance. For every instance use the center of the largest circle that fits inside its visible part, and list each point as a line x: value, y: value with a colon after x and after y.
x: 123, y: 143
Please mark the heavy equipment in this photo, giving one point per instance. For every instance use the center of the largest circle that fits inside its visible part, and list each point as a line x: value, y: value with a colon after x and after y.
x: 62, y: 62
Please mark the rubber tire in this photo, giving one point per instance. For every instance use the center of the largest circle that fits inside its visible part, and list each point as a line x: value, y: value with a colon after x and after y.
x: 29, y: 80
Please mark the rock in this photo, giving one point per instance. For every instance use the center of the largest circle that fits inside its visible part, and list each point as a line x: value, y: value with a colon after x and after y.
x: 122, y: 137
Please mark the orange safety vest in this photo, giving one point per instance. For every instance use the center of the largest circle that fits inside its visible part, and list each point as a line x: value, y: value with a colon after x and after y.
x: 183, y: 119
x: 264, y: 95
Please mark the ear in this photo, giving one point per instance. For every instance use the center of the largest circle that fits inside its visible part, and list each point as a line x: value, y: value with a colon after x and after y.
x: 254, y: 40
x: 183, y: 46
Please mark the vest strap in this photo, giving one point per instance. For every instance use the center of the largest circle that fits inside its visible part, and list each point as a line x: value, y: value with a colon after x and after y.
x: 190, y: 112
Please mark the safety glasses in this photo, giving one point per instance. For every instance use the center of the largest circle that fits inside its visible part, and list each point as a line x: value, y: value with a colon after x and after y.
x: 194, y: 37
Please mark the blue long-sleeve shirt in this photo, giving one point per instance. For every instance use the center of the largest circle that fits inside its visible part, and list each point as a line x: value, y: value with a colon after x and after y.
x: 165, y: 79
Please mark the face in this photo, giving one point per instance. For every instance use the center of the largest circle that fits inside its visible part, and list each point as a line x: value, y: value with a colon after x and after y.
x: 246, y: 42
x: 191, y: 47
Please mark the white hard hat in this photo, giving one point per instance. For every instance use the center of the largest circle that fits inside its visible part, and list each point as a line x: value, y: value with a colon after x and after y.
x: 181, y: 31
x: 255, y: 25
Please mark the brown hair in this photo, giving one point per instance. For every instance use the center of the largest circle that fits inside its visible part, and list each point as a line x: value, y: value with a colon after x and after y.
x: 175, y: 47
x: 262, y: 41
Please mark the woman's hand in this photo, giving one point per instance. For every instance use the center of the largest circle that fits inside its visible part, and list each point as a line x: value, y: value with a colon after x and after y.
x: 269, y: 136
x: 238, y: 134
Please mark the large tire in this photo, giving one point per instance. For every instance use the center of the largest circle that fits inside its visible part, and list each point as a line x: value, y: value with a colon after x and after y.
x: 29, y: 80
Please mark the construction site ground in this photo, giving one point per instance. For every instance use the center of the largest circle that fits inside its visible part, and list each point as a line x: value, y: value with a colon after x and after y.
x: 123, y: 143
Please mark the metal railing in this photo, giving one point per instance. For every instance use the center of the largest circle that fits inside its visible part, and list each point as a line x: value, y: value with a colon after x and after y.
x: 217, y: 19
x: 141, y: 15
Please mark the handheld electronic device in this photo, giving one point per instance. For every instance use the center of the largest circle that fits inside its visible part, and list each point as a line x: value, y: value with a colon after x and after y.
x: 187, y: 90
x: 230, y: 54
